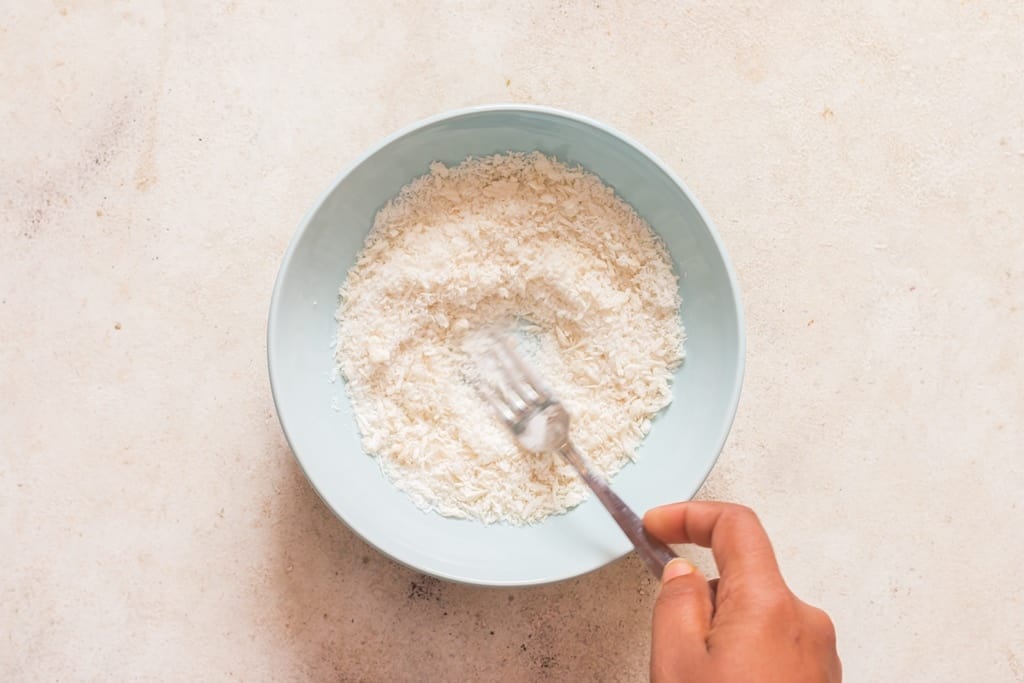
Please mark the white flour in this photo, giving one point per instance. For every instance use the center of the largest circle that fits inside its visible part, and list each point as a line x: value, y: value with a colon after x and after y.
x: 509, y: 240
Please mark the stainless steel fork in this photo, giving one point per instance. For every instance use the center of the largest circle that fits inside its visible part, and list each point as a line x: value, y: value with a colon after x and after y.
x: 541, y: 425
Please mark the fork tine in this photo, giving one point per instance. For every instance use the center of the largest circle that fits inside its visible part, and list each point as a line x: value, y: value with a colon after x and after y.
x: 515, y: 367
x: 512, y: 378
x: 491, y: 394
x: 507, y: 389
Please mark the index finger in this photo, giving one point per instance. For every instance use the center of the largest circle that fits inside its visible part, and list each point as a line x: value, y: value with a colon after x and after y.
x: 733, y: 532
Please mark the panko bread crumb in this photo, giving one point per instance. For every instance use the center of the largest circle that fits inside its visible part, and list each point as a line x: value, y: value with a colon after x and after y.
x: 515, y: 240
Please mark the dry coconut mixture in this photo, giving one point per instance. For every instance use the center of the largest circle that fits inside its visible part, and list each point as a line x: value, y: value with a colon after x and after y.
x: 517, y: 241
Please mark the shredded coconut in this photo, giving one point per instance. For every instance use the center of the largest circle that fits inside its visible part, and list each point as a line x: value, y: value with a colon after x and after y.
x: 519, y: 241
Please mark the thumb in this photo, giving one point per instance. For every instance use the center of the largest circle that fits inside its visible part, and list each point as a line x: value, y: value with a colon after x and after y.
x: 682, y: 620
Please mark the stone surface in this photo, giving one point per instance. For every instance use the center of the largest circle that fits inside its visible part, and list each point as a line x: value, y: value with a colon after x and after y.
x: 864, y: 163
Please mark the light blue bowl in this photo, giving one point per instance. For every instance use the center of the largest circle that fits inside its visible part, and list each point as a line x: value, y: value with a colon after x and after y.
x: 315, y: 413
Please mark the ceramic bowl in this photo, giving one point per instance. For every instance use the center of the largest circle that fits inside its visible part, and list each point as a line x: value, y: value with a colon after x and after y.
x: 315, y: 413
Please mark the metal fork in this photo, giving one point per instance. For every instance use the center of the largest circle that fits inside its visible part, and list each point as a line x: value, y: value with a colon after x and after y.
x: 540, y: 423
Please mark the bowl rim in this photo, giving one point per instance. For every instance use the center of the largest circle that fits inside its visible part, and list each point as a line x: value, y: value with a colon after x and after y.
x: 275, y: 305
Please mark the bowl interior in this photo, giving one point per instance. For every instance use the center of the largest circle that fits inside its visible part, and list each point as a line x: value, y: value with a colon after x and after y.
x: 315, y: 413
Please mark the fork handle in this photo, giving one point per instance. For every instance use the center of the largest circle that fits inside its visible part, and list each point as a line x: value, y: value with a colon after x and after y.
x: 653, y: 552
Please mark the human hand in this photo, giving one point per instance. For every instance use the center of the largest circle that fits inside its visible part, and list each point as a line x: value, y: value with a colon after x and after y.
x: 754, y: 629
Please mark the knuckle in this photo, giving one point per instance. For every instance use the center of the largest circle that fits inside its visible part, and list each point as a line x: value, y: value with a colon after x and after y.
x: 742, y: 512
x: 819, y: 624
x: 745, y: 510
x: 823, y: 625
x: 779, y: 605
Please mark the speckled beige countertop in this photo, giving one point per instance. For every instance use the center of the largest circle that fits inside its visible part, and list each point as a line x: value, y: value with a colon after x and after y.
x: 864, y: 163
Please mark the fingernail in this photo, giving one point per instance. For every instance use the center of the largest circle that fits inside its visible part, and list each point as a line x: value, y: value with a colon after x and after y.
x: 676, y: 568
